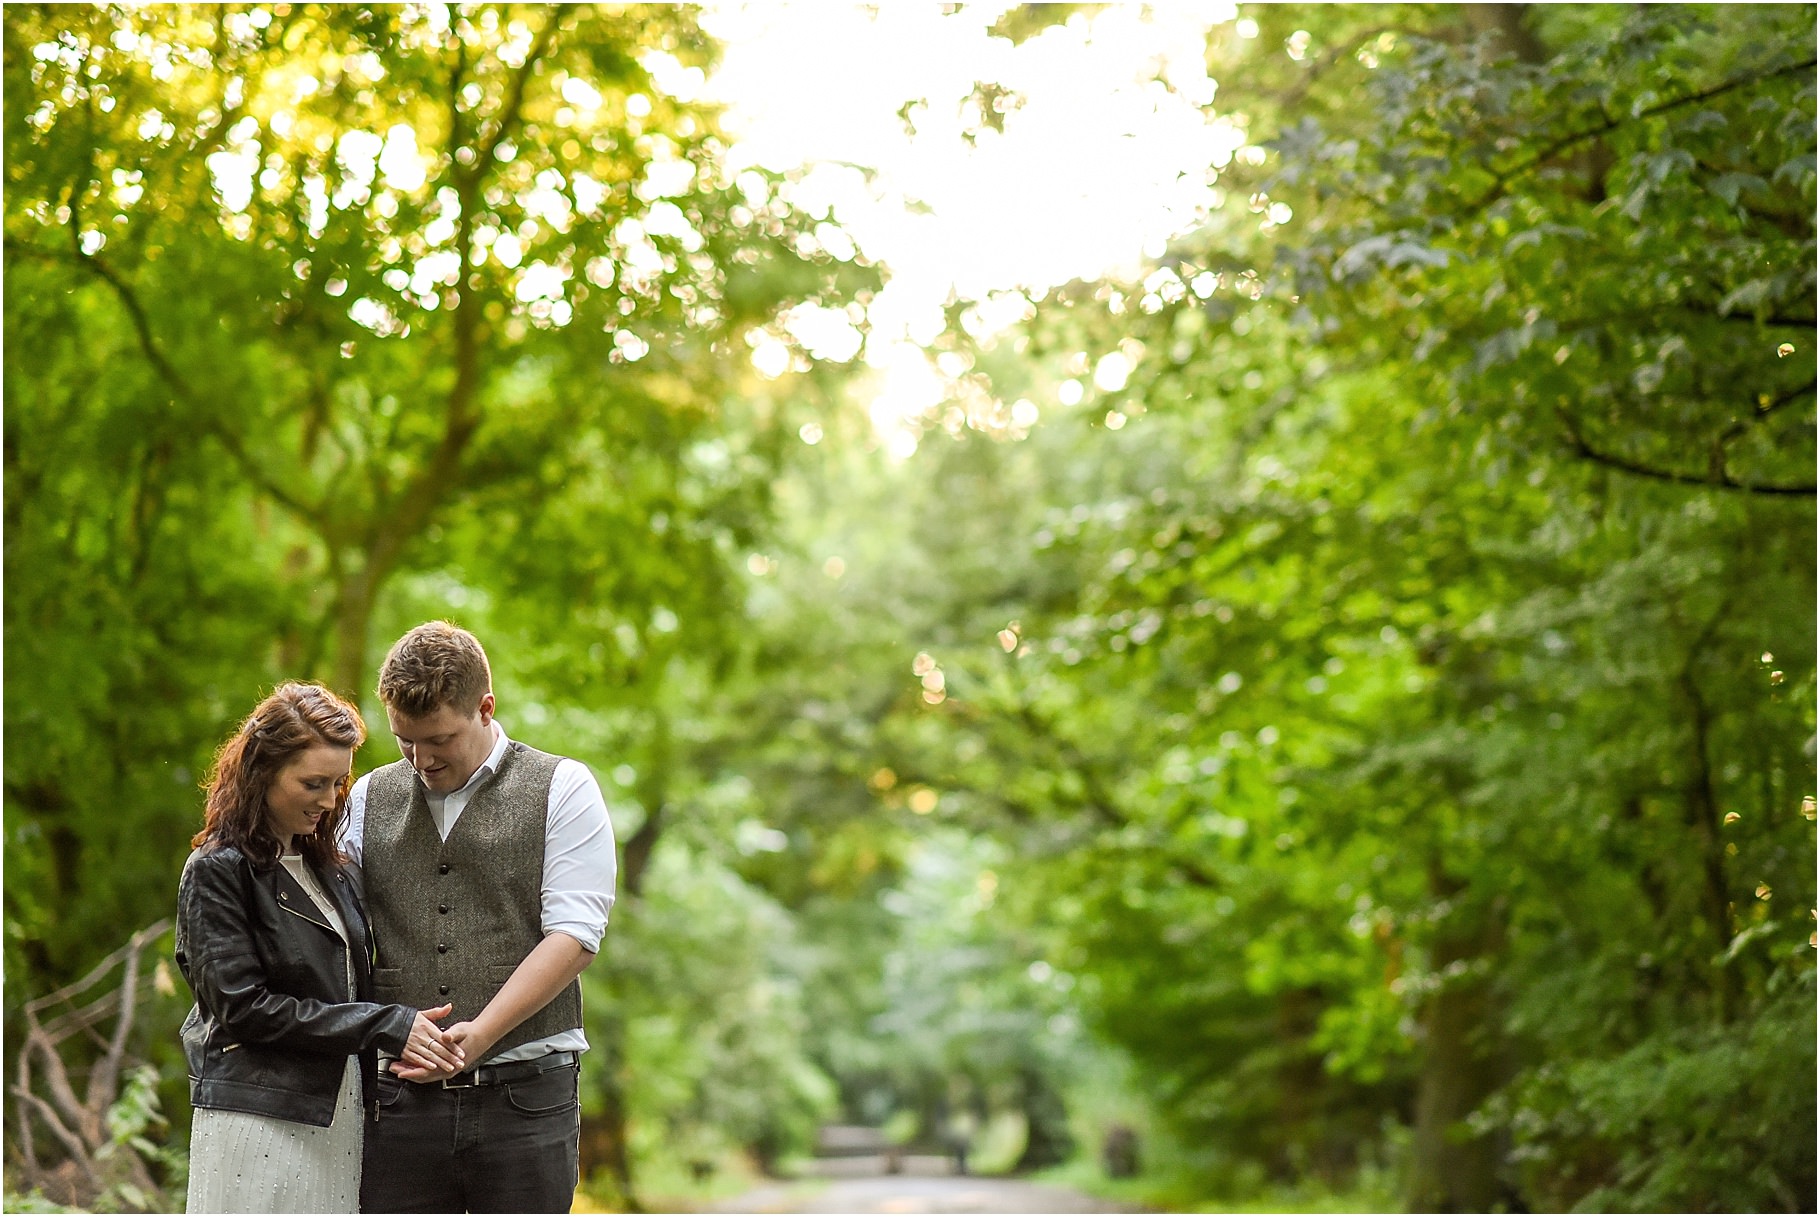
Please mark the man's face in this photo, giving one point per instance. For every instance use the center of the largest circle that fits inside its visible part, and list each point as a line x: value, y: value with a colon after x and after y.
x: 446, y: 746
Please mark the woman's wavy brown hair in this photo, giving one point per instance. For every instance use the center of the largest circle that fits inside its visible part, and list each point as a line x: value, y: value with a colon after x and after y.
x: 294, y: 719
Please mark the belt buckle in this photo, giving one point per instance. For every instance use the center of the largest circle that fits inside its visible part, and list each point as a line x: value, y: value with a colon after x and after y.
x: 456, y: 1082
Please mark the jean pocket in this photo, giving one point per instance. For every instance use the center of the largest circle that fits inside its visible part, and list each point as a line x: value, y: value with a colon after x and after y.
x: 547, y: 1094
x: 391, y: 1088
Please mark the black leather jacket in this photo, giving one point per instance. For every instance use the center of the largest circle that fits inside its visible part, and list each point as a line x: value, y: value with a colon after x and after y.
x: 271, y: 1031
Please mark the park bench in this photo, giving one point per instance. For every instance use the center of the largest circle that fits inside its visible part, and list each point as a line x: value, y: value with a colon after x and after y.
x: 847, y: 1142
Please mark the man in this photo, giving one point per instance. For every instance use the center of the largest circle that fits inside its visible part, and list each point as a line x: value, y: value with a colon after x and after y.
x: 489, y: 872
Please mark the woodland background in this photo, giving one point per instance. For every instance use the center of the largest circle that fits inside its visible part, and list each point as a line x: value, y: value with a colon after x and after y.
x: 1339, y: 705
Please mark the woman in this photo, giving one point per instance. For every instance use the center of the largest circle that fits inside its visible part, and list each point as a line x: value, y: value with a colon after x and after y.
x: 283, y: 1041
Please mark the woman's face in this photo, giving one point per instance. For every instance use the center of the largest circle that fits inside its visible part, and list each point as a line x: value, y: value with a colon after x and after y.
x: 306, y: 789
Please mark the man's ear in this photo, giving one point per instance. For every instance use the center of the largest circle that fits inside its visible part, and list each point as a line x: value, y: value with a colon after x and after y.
x: 486, y: 708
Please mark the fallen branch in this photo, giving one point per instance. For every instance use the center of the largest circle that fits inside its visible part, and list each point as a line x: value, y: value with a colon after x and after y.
x: 92, y: 1163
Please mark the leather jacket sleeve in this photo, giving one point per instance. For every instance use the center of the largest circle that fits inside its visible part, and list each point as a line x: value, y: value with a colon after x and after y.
x: 219, y: 907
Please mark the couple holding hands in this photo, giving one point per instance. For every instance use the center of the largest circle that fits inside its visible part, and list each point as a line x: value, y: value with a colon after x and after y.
x: 388, y: 1010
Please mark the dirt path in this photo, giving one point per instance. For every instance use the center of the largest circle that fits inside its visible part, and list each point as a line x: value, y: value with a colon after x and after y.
x: 913, y: 1194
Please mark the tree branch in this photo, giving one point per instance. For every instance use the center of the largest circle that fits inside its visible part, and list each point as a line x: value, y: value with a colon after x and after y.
x: 416, y: 500
x: 106, y: 1073
x: 1098, y: 799
x: 309, y: 514
x: 509, y: 113
x: 72, y: 1021
x: 1501, y: 180
x: 1763, y: 409
x: 81, y: 1127
x: 70, y: 991
x: 78, y: 1152
x: 1718, y: 479
x: 63, y: 1098
x: 1785, y: 398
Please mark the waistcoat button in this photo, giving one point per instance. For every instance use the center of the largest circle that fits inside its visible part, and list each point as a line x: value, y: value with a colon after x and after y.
x: 443, y: 869
x: 443, y: 990
x: 442, y: 948
x: 442, y: 908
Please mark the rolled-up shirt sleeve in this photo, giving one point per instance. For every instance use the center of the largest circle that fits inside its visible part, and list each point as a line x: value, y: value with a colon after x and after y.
x: 580, y: 867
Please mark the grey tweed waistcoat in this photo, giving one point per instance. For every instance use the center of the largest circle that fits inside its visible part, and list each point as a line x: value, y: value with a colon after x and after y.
x: 454, y: 918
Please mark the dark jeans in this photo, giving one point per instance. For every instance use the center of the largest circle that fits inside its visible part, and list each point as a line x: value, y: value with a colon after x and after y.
x: 512, y: 1147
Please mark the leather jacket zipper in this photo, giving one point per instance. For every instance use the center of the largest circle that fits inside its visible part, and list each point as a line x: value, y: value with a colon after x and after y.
x: 293, y: 912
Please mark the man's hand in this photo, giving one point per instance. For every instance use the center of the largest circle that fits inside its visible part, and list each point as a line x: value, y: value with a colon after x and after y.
x: 544, y: 973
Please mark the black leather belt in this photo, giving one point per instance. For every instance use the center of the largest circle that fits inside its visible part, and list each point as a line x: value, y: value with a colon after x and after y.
x: 510, y: 1071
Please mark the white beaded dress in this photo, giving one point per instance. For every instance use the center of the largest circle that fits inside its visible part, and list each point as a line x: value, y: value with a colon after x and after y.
x: 244, y: 1163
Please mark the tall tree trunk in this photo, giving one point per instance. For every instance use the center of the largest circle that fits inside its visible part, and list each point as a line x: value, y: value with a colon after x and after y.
x: 1454, y: 1172
x: 1510, y: 26
x: 1300, y: 1083
x: 1701, y: 804
x: 1507, y: 21
x: 603, y: 1137
x: 1049, y: 1143
x: 354, y: 604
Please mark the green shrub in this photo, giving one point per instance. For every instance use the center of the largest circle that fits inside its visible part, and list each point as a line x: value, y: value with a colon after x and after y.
x: 1719, y: 1120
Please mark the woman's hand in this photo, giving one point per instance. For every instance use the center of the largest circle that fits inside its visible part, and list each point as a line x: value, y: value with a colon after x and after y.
x: 429, y: 1046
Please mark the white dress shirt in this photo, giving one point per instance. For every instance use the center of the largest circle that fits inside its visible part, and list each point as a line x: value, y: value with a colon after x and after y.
x: 579, y: 863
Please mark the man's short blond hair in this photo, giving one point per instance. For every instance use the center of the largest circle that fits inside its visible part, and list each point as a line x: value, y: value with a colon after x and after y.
x: 435, y: 665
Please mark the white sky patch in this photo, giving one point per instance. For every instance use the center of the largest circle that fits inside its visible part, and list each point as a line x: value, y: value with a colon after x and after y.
x: 435, y: 270
x: 358, y: 152
x: 541, y: 281
x: 666, y: 219
x: 232, y: 174
x: 683, y: 83
x: 826, y: 333
x: 400, y: 161
x: 316, y: 191
x: 665, y: 179
x: 907, y: 385
x: 232, y: 168
x: 508, y: 251
x: 1100, y: 163
x: 770, y: 356
x: 1112, y: 371
x: 580, y: 94
x: 639, y: 260
x: 588, y: 194
x: 547, y: 202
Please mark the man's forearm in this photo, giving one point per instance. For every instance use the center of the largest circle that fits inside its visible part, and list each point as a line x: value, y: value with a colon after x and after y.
x: 539, y: 977
x: 542, y: 974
